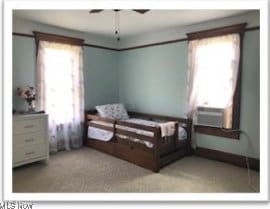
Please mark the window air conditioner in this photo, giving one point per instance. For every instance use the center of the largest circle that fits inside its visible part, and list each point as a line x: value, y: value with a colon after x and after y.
x: 208, y: 116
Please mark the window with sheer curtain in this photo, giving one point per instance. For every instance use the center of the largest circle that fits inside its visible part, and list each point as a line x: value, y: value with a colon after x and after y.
x: 214, y: 63
x: 61, y: 92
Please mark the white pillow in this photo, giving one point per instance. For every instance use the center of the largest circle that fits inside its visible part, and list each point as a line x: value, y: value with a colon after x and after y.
x: 115, y: 111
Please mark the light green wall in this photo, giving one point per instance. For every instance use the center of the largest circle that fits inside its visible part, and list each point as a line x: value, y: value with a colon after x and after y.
x: 153, y: 80
x: 23, y: 66
x: 100, y: 77
x: 100, y: 72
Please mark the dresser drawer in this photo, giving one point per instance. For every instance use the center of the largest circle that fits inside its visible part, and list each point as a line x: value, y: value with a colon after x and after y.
x: 29, y: 152
x: 28, y: 126
x: 28, y: 139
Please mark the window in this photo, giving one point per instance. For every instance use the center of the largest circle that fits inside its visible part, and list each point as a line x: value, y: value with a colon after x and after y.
x: 58, y: 96
x: 214, y: 76
x: 60, y: 89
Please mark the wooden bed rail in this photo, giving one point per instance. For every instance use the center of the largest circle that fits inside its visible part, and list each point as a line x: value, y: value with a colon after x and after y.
x: 98, y: 118
x: 150, y: 116
x: 160, y: 117
x: 185, y: 121
x: 135, y: 135
x: 137, y: 126
x: 118, y: 130
x: 101, y: 126
x: 91, y: 115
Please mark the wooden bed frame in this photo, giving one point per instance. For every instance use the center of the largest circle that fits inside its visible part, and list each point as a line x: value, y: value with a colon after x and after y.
x: 163, y: 152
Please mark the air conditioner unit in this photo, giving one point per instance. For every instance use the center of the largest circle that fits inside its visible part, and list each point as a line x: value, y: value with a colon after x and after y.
x: 208, y: 116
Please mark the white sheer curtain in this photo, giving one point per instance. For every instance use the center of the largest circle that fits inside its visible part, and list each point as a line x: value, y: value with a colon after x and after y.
x: 213, y: 70
x: 61, y: 93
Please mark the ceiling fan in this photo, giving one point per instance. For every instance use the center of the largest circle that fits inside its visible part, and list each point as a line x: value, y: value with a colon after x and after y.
x: 141, y: 11
x: 117, y: 18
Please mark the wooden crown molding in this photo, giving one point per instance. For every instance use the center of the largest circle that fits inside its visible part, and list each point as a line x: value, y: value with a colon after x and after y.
x: 57, y: 38
x: 23, y: 35
x: 239, y: 28
x: 135, y: 47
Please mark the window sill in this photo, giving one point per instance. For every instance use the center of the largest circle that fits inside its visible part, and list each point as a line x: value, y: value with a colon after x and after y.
x: 217, y: 132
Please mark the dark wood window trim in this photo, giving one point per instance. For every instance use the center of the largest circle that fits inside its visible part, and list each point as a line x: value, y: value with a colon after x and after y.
x: 227, y: 133
x: 233, y: 133
x: 57, y: 38
x: 239, y: 28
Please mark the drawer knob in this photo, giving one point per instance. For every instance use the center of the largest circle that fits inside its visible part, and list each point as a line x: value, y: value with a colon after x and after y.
x: 29, y: 126
x: 29, y: 153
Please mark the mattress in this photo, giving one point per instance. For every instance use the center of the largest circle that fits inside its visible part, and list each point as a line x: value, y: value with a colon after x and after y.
x: 104, y: 135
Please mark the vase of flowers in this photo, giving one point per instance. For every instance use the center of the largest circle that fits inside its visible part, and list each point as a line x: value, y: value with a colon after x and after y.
x: 29, y: 95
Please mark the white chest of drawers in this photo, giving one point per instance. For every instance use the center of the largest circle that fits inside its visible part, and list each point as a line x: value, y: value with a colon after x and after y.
x: 30, y: 138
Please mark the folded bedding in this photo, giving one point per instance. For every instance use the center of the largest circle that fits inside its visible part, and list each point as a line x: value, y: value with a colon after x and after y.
x: 167, y: 129
x: 104, y: 135
x: 99, y: 134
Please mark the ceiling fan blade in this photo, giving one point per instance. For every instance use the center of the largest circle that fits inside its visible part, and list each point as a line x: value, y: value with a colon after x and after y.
x: 95, y: 10
x: 141, y: 11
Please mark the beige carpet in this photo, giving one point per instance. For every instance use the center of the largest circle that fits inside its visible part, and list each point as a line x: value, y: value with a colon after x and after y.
x: 88, y: 170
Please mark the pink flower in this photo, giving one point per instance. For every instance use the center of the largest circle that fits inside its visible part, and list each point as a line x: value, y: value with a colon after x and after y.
x: 27, y: 93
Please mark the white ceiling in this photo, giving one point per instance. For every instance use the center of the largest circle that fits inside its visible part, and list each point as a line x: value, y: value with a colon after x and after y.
x: 131, y: 23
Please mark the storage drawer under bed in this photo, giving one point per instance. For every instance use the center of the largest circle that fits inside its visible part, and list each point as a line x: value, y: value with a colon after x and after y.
x: 129, y: 152
x: 107, y: 147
